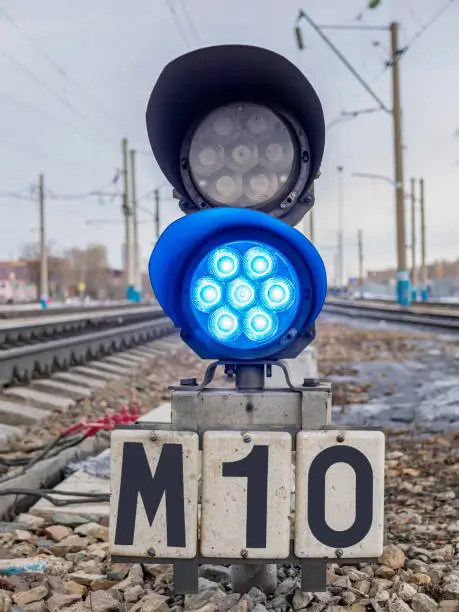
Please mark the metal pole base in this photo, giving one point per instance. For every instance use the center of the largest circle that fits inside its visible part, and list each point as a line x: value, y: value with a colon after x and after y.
x: 244, y: 577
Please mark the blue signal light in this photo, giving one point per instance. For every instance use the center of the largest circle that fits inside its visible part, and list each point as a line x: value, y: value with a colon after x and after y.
x: 206, y: 294
x: 277, y: 294
x: 241, y: 293
x: 224, y: 325
x: 258, y: 263
x: 271, y: 301
x: 239, y: 284
x: 224, y: 263
x: 259, y: 325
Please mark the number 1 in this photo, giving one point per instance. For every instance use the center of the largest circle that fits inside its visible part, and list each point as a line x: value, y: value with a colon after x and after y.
x: 254, y: 467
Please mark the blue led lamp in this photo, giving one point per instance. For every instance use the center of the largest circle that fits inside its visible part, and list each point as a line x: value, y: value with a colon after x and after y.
x: 239, y: 284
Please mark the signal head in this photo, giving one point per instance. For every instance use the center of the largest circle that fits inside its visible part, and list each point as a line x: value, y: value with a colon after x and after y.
x: 237, y: 126
x: 239, y: 284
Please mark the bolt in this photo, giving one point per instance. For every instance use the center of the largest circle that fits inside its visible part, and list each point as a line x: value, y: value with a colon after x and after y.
x: 339, y: 552
x: 283, y: 204
x: 247, y: 438
x: 188, y: 382
x: 151, y: 552
x: 153, y: 436
x: 340, y: 438
x: 244, y: 553
x: 311, y: 382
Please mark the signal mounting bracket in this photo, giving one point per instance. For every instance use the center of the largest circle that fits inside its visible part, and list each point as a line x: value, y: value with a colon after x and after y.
x: 233, y: 366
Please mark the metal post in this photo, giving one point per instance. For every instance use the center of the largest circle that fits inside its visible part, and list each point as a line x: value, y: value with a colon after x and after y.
x: 336, y: 268
x: 340, y: 227
x: 136, y: 264
x: 423, y: 279
x: 403, y: 279
x: 250, y: 377
x: 157, y: 230
x: 360, y: 242
x: 43, y: 254
x: 414, y: 280
x: 127, y: 226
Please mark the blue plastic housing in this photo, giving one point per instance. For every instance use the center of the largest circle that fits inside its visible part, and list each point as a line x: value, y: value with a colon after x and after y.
x: 181, y: 257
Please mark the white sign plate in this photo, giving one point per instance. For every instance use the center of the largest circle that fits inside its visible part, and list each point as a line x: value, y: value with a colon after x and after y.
x: 339, y: 500
x: 246, y: 495
x: 154, y: 494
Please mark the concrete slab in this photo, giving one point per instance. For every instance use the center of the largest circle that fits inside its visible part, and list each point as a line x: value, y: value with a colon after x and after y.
x: 110, y: 367
x: 142, y: 352
x: 96, y: 374
x: 160, y: 414
x: 8, y: 433
x: 134, y: 358
x: 122, y: 361
x: 80, y: 380
x: 83, y: 483
x: 18, y: 414
x: 165, y: 345
x: 39, y: 399
x: 63, y: 388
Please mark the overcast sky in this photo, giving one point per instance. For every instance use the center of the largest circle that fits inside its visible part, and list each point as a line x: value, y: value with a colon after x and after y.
x: 65, y: 115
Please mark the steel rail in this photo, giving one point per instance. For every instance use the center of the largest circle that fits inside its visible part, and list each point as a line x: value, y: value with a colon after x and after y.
x: 409, y: 317
x: 34, y: 330
x: 24, y: 310
x: 21, y: 364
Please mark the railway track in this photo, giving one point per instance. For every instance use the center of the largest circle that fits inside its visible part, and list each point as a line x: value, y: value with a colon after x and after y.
x: 434, y: 318
x: 30, y: 331
x: 34, y: 349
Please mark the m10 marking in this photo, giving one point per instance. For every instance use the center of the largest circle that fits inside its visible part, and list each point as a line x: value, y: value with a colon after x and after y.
x: 363, y: 496
x: 246, y: 492
x: 254, y: 467
x: 137, y: 479
x: 154, y: 497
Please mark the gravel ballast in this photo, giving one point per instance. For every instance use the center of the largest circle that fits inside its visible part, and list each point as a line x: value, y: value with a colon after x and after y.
x: 70, y: 568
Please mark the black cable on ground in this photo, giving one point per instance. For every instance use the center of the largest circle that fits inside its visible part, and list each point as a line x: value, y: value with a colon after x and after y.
x: 82, y: 498
x: 52, y: 449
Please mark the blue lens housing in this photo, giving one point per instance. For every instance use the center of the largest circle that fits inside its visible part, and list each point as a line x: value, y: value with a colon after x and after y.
x: 270, y: 289
x: 239, y: 284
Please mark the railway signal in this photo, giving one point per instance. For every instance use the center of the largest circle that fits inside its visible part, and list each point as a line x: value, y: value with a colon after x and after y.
x: 239, y: 133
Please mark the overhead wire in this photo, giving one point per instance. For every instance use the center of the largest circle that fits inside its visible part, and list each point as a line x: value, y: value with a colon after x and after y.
x: 429, y: 24
x: 55, y: 94
x: 52, y: 62
x: 39, y: 111
x: 346, y: 115
x: 190, y: 22
x: 178, y: 23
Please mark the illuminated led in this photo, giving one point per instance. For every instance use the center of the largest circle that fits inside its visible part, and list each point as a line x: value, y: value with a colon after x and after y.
x: 259, y: 325
x: 224, y: 324
x: 224, y: 263
x: 277, y: 294
x: 241, y: 294
x: 206, y: 294
x: 258, y: 263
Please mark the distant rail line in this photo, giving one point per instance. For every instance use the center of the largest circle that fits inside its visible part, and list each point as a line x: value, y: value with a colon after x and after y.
x: 429, y: 315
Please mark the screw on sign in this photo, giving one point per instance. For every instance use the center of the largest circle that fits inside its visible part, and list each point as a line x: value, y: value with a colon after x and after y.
x: 245, y: 289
